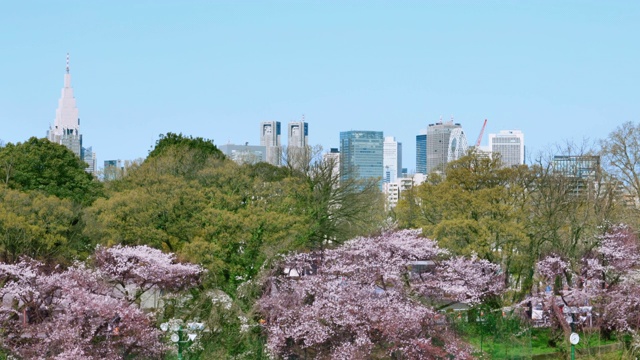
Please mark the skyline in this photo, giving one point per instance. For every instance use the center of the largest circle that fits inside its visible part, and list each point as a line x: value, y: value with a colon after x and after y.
x: 555, y: 71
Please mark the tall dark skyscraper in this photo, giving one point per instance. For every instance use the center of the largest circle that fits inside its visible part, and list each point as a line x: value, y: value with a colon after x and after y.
x: 421, y: 154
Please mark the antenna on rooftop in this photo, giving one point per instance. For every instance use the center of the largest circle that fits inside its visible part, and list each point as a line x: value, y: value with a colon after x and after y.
x: 67, y: 63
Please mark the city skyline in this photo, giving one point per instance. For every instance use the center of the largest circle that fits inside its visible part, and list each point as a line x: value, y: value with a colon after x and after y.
x: 555, y: 71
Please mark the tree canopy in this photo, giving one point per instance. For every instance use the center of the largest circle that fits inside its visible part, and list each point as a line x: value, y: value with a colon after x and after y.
x: 40, y: 165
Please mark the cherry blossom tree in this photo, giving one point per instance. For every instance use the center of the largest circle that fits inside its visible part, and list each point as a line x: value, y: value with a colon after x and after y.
x: 601, y: 290
x: 81, y: 312
x: 372, y: 298
x: 141, y: 268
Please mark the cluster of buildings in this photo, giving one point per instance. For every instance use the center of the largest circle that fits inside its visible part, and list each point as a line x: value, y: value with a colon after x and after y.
x: 372, y: 155
x: 361, y: 155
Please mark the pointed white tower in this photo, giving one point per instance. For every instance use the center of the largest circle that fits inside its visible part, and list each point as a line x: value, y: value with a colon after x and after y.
x: 66, y: 126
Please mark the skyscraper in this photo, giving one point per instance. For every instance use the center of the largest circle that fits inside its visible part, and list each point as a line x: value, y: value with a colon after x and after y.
x: 510, y: 145
x: 270, y: 138
x: 361, y: 155
x: 298, y: 134
x: 421, y: 153
x: 298, y: 151
x: 392, y: 160
x: 445, y: 142
x: 66, y: 126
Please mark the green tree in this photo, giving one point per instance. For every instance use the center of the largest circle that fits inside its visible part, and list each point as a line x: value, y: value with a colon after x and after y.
x: 477, y: 207
x: 40, y: 165
x: 335, y: 210
x: 38, y: 226
x: 186, y: 154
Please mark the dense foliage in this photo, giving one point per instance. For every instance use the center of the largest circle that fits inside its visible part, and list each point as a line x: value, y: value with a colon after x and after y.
x: 235, y: 220
x: 40, y: 165
x: 512, y: 216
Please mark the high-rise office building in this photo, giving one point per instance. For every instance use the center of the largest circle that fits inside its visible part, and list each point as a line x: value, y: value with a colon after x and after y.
x: 392, y: 160
x: 66, y: 126
x: 446, y: 142
x: 361, y: 155
x: 298, y: 151
x: 298, y: 132
x: 270, y: 138
x: 510, y: 145
x: 421, y: 153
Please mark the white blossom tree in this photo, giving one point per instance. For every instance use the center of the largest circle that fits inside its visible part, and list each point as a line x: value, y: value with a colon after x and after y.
x: 80, y: 312
x: 372, y: 298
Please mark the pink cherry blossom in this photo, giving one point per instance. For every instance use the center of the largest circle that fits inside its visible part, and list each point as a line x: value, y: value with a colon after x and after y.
x: 78, y: 313
x: 370, y: 297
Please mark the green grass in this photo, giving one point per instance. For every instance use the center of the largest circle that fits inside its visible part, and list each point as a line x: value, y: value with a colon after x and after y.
x: 503, y: 338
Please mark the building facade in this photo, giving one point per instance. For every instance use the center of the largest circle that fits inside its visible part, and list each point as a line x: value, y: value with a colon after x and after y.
x: 298, y: 150
x: 586, y: 167
x: 510, y: 145
x: 446, y: 142
x: 392, y: 161
x: 361, y: 155
x: 298, y: 134
x: 421, y: 153
x: 244, y: 154
x: 270, y: 139
x: 66, y: 125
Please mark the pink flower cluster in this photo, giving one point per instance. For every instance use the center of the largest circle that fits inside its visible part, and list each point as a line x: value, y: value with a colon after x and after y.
x: 77, y: 313
x: 372, y: 296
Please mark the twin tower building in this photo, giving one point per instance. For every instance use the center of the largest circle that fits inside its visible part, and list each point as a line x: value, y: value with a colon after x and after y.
x: 271, y: 149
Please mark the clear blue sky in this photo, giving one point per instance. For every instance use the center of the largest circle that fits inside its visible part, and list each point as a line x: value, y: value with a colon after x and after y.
x: 556, y: 70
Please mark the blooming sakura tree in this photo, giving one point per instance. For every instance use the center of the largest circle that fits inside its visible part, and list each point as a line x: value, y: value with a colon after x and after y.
x: 605, y: 284
x: 81, y: 312
x: 143, y: 268
x: 372, y: 298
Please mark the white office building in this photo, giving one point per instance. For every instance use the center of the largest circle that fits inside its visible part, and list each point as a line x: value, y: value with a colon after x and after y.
x: 510, y: 145
x: 392, y: 159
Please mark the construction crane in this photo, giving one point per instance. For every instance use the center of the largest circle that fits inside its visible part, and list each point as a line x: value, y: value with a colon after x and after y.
x: 481, y: 132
